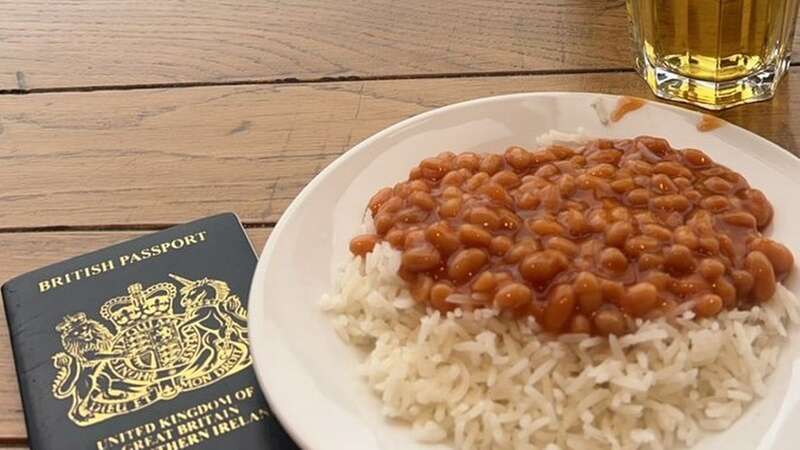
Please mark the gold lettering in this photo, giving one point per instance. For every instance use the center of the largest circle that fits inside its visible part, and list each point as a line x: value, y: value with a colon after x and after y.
x: 56, y: 281
x: 123, y: 260
x: 175, y: 243
x: 190, y: 239
x: 146, y: 253
x: 44, y: 286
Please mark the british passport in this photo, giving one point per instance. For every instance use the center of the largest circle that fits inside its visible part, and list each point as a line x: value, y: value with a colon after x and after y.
x: 143, y: 345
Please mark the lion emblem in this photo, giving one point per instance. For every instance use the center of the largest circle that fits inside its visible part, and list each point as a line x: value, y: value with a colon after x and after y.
x: 87, y: 344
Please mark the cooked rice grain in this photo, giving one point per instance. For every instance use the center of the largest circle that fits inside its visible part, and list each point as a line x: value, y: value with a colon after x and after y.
x: 486, y: 382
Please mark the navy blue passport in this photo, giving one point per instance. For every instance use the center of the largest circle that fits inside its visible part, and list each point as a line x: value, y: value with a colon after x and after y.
x: 143, y: 345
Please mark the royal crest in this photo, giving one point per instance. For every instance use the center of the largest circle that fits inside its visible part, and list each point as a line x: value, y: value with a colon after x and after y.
x: 149, y: 349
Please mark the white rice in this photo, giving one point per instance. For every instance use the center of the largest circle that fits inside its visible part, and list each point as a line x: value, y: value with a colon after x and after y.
x: 483, y: 382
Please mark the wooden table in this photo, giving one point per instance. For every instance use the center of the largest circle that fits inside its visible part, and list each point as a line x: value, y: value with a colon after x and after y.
x: 119, y: 118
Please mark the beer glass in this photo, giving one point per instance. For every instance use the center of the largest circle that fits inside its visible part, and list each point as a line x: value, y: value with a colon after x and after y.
x: 713, y: 53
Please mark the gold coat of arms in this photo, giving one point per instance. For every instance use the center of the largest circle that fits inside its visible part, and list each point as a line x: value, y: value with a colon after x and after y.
x: 153, y: 351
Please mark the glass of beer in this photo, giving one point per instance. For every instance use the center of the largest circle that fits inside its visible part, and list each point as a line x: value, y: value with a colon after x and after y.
x: 713, y: 53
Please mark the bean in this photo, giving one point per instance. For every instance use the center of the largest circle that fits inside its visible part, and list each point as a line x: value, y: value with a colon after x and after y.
x: 588, y: 292
x: 757, y: 204
x: 411, y: 215
x: 649, y: 261
x: 779, y: 256
x: 696, y: 158
x: 688, y: 286
x: 420, y: 259
x: 613, y: 260
x: 716, y: 203
x: 414, y: 238
x: 565, y: 246
x: 438, y: 295
x: 485, y: 282
x: 542, y: 156
x: 567, y: 185
x: 598, y: 220
x: 453, y: 178
x: 618, y: 233
x: 507, y: 179
x: 415, y: 173
x: 619, y: 213
x: 464, y: 264
x: 682, y: 183
x: 520, y: 250
x: 613, y: 291
x: 546, y: 227
x: 508, y: 220
x: 476, y: 181
x: 422, y: 199
x: 450, y: 207
x: 638, y: 197
x: 622, y: 185
x: 433, y: 168
x: 743, y: 282
x: 484, y: 217
x: 763, y: 273
x: 739, y: 219
x: 402, y: 189
x: 496, y: 193
x: 452, y: 192
x: 550, y: 197
x: 393, y: 204
x: 656, y: 231
x: 396, y: 237
x: 446, y: 156
x: 640, y: 299
x: 574, y: 221
x: 603, y: 170
x: 638, y: 245
x: 379, y: 199
x: 512, y: 296
x: 467, y: 160
x: 578, y: 160
x: 658, y: 279
x: 421, y: 288
x: 383, y: 222
x: 363, y: 244
x: 442, y: 237
x: 580, y: 324
x: 662, y: 184
x: 491, y: 163
x: 547, y: 171
x: 474, y: 236
x: 639, y: 167
x: 708, y: 305
x: 500, y: 245
x: 671, y: 202
x: 711, y: 268
x: 686, y: 237
x: 726, y: 291
x: 609, y: 321
x: 672, y: 169
x: 561, y: 152
x: 518, y: 158
x: 604, y: 156
x: 541, y: 267
x: 678, y: 260
x: 527, y: 200
x: 560, y: 306
x: 708, y: 245
x: 717, y: 185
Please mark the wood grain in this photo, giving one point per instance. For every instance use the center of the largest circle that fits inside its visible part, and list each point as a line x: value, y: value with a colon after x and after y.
x: 168, y: 156
x: 73, y: 43
x: 23, y: 252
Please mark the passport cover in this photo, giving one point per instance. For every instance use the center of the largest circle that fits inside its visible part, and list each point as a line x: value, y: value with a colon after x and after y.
x: 143, y: 345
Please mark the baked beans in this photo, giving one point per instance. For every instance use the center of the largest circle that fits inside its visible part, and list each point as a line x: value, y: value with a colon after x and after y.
x: 583, y: 241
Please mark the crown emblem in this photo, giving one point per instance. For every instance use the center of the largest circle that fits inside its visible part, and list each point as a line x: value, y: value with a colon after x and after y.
x: 140, y: 304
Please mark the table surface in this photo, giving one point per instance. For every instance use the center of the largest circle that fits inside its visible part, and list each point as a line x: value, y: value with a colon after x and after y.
x: 119, y: 118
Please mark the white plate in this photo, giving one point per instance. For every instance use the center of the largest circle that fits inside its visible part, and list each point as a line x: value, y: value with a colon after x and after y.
x: 309, y: 375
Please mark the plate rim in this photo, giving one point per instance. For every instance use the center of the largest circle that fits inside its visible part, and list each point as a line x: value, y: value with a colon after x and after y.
x: 256, y: 308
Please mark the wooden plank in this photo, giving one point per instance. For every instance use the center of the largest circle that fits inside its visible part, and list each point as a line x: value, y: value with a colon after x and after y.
x: 168, y: 156
x: 104, y: 42
x: 23, y: 252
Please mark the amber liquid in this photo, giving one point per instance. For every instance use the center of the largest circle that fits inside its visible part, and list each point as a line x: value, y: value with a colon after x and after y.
x: 715, y: 40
